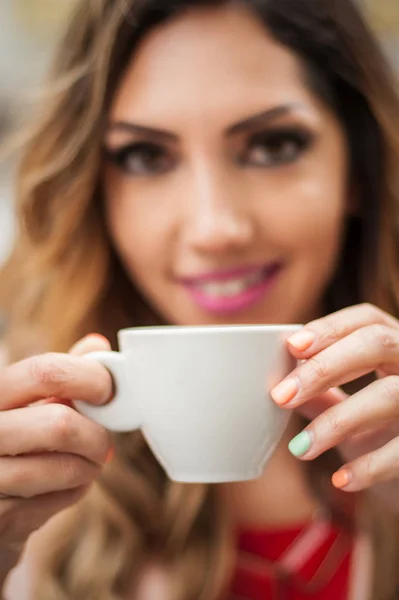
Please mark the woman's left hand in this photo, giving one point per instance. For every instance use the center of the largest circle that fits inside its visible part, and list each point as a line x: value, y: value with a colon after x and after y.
x: 338, y: 349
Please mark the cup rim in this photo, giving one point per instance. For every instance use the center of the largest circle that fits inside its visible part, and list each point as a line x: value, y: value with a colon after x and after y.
x: 207, y: 329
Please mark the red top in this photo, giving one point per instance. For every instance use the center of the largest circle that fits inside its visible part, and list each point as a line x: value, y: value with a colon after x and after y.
x: 318, y: 553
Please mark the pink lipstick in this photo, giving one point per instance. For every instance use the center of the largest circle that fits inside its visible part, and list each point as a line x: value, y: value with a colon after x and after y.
x: 236, y: 290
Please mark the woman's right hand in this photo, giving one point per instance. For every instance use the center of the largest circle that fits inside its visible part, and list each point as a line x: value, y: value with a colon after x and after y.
x: 49, y: 453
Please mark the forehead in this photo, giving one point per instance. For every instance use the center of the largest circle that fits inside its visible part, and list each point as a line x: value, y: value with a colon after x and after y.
x: 208, y: 62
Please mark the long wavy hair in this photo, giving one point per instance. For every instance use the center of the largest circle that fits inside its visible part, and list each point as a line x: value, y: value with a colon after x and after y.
x: 64, y: 280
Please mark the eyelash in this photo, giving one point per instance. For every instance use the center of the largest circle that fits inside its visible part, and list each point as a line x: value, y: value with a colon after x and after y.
x: 278, y: 147
x: 142, y: 150
x: 294, y: 141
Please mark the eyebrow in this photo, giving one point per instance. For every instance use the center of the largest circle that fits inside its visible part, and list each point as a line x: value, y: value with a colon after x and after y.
x: 159, y: 134
x: 142, y: 130
x: 264, y: 117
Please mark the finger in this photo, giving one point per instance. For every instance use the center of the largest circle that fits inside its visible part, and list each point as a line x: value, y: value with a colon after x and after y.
x: 376, y: 404
x: 379, y: 466
x: 321, y: 333
x: 91, y: 343
x: 361, y: 352
x: 59, y: 375
x: 318, y: 405
x: 29, y: 476
x: 53, y: 428
x: 36, y: 512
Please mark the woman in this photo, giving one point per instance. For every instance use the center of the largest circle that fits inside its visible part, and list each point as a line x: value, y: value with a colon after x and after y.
x: 206, y: 163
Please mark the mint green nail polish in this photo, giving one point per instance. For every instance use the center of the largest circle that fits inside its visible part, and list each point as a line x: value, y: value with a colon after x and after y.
x: 300, y: 444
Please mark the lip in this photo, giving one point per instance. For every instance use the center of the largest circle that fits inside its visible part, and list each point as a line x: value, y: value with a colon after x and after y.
x: 224, y: 275
x: 239, y: 302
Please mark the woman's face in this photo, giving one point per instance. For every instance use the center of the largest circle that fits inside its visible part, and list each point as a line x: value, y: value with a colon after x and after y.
x: 227, y: 183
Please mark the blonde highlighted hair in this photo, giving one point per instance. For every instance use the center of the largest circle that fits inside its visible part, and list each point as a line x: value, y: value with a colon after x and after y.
x: 64, y: 280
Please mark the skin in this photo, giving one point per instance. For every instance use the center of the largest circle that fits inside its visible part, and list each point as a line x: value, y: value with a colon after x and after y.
x: 207, y: 213
x: 57, y: 453
x: 340, y: 348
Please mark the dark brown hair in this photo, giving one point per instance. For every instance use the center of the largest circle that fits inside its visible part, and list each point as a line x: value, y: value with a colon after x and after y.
x: 134, y: 513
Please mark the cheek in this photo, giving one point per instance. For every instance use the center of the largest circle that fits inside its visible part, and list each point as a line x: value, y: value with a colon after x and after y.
x: 139, y: 232
x: 308, y: 228
x: 314, y: 198
x: 310, y: 213
x: 316, y: 232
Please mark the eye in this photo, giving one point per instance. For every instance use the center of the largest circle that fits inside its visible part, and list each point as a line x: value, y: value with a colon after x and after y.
x: 276, y: 147
x: 142, y: 158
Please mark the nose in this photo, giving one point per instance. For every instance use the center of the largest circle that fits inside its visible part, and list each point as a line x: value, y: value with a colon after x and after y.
x: 219, y: 216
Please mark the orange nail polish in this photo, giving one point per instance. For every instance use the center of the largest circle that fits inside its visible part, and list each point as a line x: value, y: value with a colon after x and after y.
x: 98, y: 336
x: 302, y: 340
x: 110, y: 455
x: 285, y: 391
x: 341, y: 478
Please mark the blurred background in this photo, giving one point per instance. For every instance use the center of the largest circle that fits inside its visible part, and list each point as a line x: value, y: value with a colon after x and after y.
x: 29, y: 29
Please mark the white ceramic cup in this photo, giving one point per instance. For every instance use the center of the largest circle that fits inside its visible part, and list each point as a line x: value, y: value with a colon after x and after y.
x: 200, y: 397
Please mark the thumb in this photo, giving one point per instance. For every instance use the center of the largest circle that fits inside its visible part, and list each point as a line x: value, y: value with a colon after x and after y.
x: 91, y: 343
x: 312, y: 409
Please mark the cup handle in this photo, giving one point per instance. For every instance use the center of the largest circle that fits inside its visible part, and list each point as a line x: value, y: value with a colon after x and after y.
x: 121, y: 414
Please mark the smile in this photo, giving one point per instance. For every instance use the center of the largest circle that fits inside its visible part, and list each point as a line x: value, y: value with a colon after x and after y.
x: 233, y: 291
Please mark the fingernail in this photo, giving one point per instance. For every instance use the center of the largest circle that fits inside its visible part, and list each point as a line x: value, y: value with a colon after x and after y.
x: 98, y: 336
x: 110, y: 455
x: 285, y: 391
x: 302, y: 340
x: 301, y: 444
x: 341, y: 478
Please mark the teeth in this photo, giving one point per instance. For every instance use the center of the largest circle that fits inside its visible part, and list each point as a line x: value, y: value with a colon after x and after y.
x: 234, y: 287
